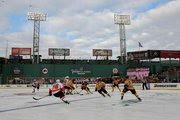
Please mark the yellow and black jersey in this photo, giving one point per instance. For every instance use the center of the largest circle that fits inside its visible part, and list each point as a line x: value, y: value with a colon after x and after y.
x: 69, y: 83
x: 100, y: 85
x: 129, y: 84
x: 84, y: 85
x: 115, y: 82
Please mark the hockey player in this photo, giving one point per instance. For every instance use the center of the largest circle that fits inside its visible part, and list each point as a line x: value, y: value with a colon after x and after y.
x: 115, y: 83
x: 100, y: 87
x: 35, y: 85
x: 58, y: 91
x: 85, y: 87
x: 128, y: 86
x: 69, y: 85
x: 66, y: 79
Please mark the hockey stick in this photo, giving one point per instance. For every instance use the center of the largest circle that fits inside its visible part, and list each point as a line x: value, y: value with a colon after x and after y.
x: 78, y: 92
x: 65, y: 101
x: 40, y: 97
x: 119, y: 89
x: 90, y: 92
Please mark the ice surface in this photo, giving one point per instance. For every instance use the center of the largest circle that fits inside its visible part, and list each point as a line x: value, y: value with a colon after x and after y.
x: 17, y: 104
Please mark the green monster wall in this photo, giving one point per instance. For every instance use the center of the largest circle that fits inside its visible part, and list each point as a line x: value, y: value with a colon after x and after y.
x: 11, y: 71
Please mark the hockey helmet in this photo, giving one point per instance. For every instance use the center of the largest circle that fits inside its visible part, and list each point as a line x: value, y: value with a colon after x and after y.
x: 57, y: 81
x: 67, y: 77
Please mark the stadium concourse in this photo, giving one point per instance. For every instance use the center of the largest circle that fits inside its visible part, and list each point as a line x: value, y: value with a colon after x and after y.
x: 18, y: 104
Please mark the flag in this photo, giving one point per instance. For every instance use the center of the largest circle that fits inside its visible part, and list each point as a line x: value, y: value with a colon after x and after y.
x: 140, y: 45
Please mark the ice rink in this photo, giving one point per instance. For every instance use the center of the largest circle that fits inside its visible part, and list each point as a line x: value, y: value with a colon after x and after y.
x: 18, y: 104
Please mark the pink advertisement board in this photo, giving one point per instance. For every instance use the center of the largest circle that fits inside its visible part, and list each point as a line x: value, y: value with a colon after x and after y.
x: 138, y: 72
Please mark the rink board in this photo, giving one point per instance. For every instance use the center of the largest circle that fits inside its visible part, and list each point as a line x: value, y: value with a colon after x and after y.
x: 138, y: 86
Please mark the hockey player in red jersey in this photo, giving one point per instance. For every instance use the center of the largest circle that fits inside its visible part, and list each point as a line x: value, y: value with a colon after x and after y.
x: 58, y: 91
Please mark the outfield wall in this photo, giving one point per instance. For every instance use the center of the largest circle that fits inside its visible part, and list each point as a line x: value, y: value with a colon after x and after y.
x: 28, y: 72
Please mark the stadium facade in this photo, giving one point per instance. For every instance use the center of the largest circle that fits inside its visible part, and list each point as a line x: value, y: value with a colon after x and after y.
x: 24, y: 70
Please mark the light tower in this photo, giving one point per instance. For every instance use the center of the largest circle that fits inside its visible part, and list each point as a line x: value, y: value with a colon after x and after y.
x: 122, y: 20
x: 36, y: 17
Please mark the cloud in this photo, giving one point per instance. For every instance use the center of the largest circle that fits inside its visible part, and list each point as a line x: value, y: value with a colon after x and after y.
x: 84, y: 25
x: 160, y: 25
x: 4, y: 25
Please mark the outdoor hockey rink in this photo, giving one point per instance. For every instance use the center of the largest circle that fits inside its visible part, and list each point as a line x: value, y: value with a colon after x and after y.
x: 18, y: 104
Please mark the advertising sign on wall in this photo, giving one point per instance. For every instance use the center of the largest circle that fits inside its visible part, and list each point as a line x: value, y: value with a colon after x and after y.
x: 170, y: 54
x: 81, y: 70
x: 138, y: 73
x: 139, y: 55
x: 102, y: 52
x: 59, y: 52
x: 21, y: 51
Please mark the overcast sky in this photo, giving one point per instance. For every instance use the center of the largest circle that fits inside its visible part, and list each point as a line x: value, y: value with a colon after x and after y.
x: 83, y: 25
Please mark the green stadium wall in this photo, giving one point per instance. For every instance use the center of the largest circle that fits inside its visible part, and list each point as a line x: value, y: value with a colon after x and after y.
x: 10, y: 71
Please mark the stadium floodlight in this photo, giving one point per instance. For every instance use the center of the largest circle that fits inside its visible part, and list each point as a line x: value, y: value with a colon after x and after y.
x: 122, y: 20
x: 36, y: 16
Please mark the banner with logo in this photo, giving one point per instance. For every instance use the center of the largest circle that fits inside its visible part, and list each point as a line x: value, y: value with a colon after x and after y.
x: 138, y: 73
x: 59, y: 52
x: 102, y: 52
x: 81, y: 70
x: 21, y: 51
